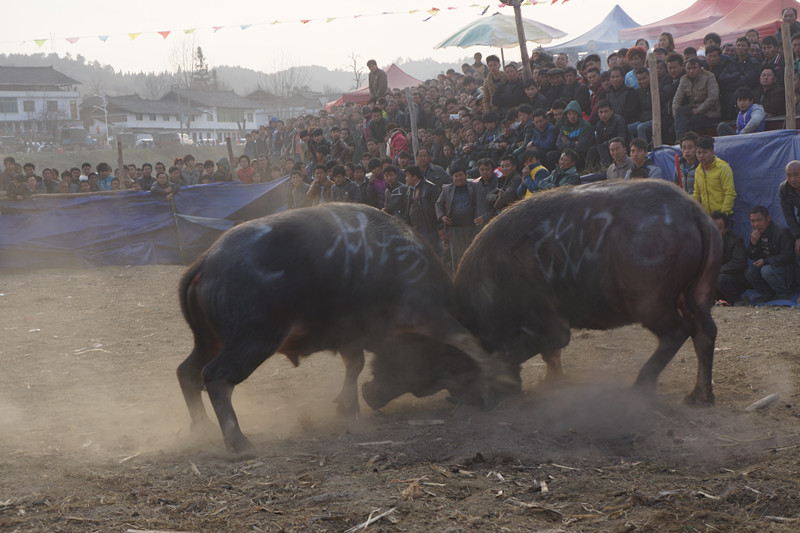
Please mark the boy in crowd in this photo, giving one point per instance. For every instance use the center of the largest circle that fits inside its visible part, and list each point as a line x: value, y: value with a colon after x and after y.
x: 751, y: 115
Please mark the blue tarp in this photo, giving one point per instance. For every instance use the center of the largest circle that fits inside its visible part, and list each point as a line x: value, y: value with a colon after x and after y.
x: 128, y: 228
x: 758, y: 161
x: 604, y: 36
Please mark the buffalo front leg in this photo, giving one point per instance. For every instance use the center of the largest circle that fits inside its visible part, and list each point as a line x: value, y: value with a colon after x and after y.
x: 347, y: 400
x: 704, y: 338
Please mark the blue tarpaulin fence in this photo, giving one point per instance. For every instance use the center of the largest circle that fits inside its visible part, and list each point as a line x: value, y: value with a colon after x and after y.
x: 137, y: 229
x: 128, y: 228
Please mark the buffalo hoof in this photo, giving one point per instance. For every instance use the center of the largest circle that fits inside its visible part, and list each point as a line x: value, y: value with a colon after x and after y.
x: 372, y: 395
x: 347, y: 408
x: 700, y: 398
x: 239, y: 444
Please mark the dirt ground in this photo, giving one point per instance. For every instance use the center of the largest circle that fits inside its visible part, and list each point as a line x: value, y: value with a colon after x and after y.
x: 94, y: 432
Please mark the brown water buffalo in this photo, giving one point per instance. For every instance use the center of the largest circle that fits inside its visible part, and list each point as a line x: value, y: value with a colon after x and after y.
x: 595, y: 256
x: 337, y: 277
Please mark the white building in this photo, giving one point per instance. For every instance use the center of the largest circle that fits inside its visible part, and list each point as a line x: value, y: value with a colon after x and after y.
x: 224, y: 113
x: 36, y: 102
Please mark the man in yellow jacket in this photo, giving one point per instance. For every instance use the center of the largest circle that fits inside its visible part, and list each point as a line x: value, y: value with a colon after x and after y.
x: 713, y: 185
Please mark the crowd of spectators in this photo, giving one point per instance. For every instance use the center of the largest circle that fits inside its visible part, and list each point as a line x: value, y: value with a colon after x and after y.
x: 486, y: 138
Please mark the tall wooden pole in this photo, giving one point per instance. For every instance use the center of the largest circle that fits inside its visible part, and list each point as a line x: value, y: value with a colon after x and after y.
x: 119, y: 165
x: 788, y: 77
x: 230, y: 155
x: 655, y: 99
x: 523, y: 46
x: 413, y: 116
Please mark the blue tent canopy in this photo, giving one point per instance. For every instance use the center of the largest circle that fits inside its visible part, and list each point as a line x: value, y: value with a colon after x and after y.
x: 604, y: 36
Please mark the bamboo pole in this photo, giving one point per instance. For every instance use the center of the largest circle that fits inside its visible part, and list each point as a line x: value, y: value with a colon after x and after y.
x: 655, y: 98
x: 230, y: 154
x: 119, y: 164
x: 413, y: 116
x: 788, y: 77
x: 523, y: 46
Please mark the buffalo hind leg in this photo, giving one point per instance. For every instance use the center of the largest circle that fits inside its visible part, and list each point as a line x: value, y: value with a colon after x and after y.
x: 554, y: 370
x: 672, y: 332
x: 703, y: 338
x: 232, y: 366
x: 353, y: 357
x: 190, y: 377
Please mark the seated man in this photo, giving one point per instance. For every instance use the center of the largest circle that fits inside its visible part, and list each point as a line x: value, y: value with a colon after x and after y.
x: 730, y: 282
x: 771, y: 248
x: 609, y: 127
x: 543, y: 134
x: 696, y: 103
x: 789, y: 194
x: 770, y: 94
x: 575, y: 133
x: 565, y: 174
x: 751, y: 115
x: 621, y: 164
x: 640, y: 159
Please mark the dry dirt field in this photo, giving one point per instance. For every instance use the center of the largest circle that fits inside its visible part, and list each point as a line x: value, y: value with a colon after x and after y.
x: 94, y: 432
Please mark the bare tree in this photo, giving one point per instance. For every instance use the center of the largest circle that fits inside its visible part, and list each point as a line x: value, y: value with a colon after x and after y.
x: 286, y: 80
x: 182, y: 59
x: 156, y: 85
x: 357, y: 69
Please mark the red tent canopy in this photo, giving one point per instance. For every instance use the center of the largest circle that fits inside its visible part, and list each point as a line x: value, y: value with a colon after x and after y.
x: 698, y: 15
x: 761, y: 15
x: 396, y: 78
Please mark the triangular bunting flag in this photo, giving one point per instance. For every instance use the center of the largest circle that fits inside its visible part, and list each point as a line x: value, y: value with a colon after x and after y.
x: 73, y: 40
x: 413, y: 11
x: 134, y: 35
x: 485, y: 10
x: 433, y: 11
x: 275, y: 22
x: 40, y: 42
x: 103, y: 38
x: 329, y: 19
x: 216, y: 28
x: 306, y: 21
x: 164, y: 34
x: 190, y: 30
x: 245, y: 26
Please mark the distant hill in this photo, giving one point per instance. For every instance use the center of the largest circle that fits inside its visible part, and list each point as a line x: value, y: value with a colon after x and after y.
x: 97, y: 78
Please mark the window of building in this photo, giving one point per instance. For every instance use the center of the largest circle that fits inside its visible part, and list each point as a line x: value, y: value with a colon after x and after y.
x: 227, y: 114
x: 52, y: 106
x: 166, y: 117
x: 210, y: 117
x: 249, y: 117
x: 139, y: 116
x: 8, y: 105
x: 153, y: 117
x: 29, y: 106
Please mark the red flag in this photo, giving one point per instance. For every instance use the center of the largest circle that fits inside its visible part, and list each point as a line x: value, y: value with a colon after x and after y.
x: 215, y: 28
x: 306, y: 21
x: 164, y: 34
x: 72, y: 40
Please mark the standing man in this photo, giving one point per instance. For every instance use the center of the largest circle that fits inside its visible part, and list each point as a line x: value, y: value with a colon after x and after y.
x: 378, y: 83
x: 461, y: 212
x: 771, y: 248
x: 494, y: 79
x: 421, y: 204
x: 434, y: 174
x: 713, y: 179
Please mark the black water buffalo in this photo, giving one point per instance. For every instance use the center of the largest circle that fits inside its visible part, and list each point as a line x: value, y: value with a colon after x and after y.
x: 595, y: 256
x: 334, y: 277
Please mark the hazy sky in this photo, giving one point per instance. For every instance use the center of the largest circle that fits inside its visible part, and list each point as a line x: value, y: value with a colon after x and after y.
x: 269, y: 47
